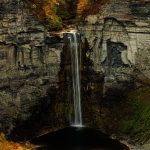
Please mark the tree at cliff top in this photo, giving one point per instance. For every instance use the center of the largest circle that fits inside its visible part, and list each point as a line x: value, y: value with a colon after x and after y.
x: 46, y: 10
x: 82, y: 6
x: 89, y: 7
x: 58, y: 13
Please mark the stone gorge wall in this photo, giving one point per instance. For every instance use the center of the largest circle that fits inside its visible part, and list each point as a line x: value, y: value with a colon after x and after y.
x: 29, y: 65
x: 118, y: 39
x: 21, y: 32
x: 34, y: 67
x: 118, y: 22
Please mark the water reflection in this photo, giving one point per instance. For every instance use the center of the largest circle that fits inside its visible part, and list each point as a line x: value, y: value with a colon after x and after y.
x: 74, y: 139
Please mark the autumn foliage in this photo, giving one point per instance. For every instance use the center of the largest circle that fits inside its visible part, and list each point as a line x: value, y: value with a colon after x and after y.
x: 82, y: 6
x: 7, y: 145
x: 57, y: 13
x: 46, y: 10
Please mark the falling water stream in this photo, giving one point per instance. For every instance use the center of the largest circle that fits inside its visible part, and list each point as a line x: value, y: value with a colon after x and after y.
x: 74, y: 49
x: 77, y: 137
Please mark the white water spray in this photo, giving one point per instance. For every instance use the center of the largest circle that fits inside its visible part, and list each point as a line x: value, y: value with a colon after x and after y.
x: 74, y: 44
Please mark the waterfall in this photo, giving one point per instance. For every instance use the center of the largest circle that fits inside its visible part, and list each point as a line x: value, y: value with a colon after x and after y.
x: 74, y: 45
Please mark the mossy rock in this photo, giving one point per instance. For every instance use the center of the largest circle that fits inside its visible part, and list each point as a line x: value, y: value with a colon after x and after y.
x: 137, y: 121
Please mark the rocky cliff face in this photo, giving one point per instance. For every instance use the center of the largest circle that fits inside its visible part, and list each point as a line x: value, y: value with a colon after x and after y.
x: 35, y: 70
x: 29, y: 65
x: 118, y: 40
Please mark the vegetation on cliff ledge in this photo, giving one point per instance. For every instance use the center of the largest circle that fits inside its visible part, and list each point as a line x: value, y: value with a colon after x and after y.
x: 137, y: 122
x: 57, y: 14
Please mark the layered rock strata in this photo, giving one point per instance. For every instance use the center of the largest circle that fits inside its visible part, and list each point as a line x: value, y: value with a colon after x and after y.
x: 29, y: 65
x: 118, y: 38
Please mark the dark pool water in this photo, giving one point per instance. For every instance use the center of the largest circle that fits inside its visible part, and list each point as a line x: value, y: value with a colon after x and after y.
x: 72, y: 138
